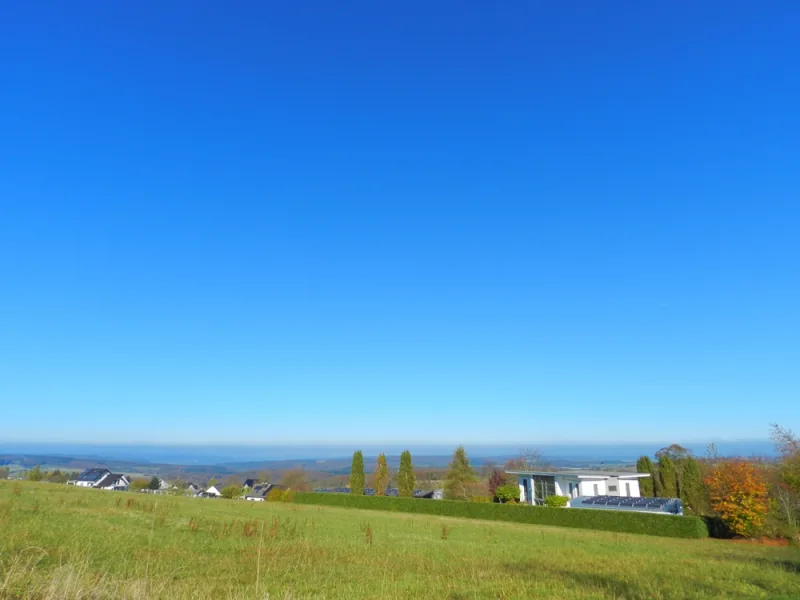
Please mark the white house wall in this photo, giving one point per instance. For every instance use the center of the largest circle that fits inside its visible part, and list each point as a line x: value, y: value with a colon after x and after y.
x: 587, y: 487
x: 635, y: 490
x: 563, y: 485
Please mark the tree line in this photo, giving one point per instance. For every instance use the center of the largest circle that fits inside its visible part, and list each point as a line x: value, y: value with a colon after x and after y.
x: 37, y: 474
x: 406, y: 480
x: 748, y: 497
x: 460, y: 481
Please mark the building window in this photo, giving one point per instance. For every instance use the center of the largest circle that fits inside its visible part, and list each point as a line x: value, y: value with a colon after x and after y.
x: 612, y: 488
x: 627, y: 489
x: 543, y: 486
x: 596, y: 490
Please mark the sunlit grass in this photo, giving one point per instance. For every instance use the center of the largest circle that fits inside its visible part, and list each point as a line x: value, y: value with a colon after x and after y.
x: 62, y: 542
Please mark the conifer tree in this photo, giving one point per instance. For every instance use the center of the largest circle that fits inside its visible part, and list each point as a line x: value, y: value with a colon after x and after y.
x: 357, y: 474
x: 380, y: 479
x: 460, y: 476
x: 405, y: 478
x: 668, y: 477
x: 693, y: 490
x: 646, y: 484
x: 678, y: 455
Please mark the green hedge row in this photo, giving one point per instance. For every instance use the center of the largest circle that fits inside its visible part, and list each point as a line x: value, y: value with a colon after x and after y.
x: 606, y: 520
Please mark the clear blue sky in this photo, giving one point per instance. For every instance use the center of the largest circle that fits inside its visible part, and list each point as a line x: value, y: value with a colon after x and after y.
x: 399, y: 221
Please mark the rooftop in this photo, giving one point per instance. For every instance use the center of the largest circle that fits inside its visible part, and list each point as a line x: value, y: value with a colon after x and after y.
x: 93, y: 474
x: 584, y: 474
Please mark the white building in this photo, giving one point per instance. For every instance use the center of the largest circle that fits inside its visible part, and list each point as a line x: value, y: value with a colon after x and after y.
x: 90, y: 477
x: 258, y: 492
x: 115, y: 482
x: 214, y: 490
x: 535, y: 486
x: 101, y: 479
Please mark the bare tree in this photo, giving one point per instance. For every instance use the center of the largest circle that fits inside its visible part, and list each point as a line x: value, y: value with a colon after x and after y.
x: 530, y: 459
x: 788, y: 503
x: 295, y: 479
x: 712, y: 454
x: 786, y: 486
x: 785, y: 441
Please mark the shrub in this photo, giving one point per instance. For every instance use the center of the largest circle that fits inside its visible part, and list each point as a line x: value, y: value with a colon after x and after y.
x: 555, y: 501
x: 481, y: 499
x: 35, y: 474
x: 139, y: 484
x: 606, y: 520
x: 231, y: 491
x: 507, y: 492
x: 275, y: 495
x: 278, y: 495
x: 498, y: 478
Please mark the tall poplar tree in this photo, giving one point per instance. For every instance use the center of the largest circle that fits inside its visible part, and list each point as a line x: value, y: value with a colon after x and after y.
x: 460, y: 477
x: 694, y: 493
x: 405, y: 477
x: 646, y: 484
x: 380, y: 479
x: 668, y: 477
x: 357, y: 474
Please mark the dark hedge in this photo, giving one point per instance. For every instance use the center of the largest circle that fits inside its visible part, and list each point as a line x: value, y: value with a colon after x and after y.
x: 605, y: 520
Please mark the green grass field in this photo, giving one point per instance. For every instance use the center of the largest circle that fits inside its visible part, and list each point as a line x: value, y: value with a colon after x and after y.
x: 61, y: 542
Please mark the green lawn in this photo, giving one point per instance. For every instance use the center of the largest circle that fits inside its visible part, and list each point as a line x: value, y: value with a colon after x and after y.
x: 61, y: 542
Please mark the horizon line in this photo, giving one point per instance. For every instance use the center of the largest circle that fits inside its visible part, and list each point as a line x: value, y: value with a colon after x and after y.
x: 355, y: 444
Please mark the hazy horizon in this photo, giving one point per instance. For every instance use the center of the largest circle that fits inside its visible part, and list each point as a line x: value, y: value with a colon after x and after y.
x: 213, y: 453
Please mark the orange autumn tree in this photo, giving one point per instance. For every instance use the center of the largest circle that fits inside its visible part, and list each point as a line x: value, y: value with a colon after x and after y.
x: 738, y: 494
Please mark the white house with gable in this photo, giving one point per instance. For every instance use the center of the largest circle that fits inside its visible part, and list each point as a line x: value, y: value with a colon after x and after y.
x: 535, y: 486
x: 115, y: 482
x: 90, y: 477
x: 214, y: 490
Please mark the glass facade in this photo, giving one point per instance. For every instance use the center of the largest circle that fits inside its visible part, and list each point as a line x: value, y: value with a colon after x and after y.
x: 543, y: 486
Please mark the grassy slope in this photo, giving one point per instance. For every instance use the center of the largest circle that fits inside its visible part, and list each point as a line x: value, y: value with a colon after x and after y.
x: 59, y: 542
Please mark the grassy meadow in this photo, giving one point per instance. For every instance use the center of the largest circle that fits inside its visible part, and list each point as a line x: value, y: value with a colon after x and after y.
x: 61, y: 542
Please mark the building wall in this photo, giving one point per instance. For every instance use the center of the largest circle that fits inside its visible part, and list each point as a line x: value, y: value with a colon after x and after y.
x: 563, y: 486
x: 634, y: 483
x: 613, y: 489
x: 587, y: 487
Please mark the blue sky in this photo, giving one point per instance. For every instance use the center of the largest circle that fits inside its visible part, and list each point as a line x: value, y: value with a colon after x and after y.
x: 404, y: 222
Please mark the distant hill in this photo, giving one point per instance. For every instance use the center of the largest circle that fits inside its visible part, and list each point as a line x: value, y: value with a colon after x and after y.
x: 203, y: 462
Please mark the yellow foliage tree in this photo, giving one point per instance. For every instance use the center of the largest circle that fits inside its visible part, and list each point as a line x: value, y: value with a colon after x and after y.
x: 738, y: 493
x: 380, y: 480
